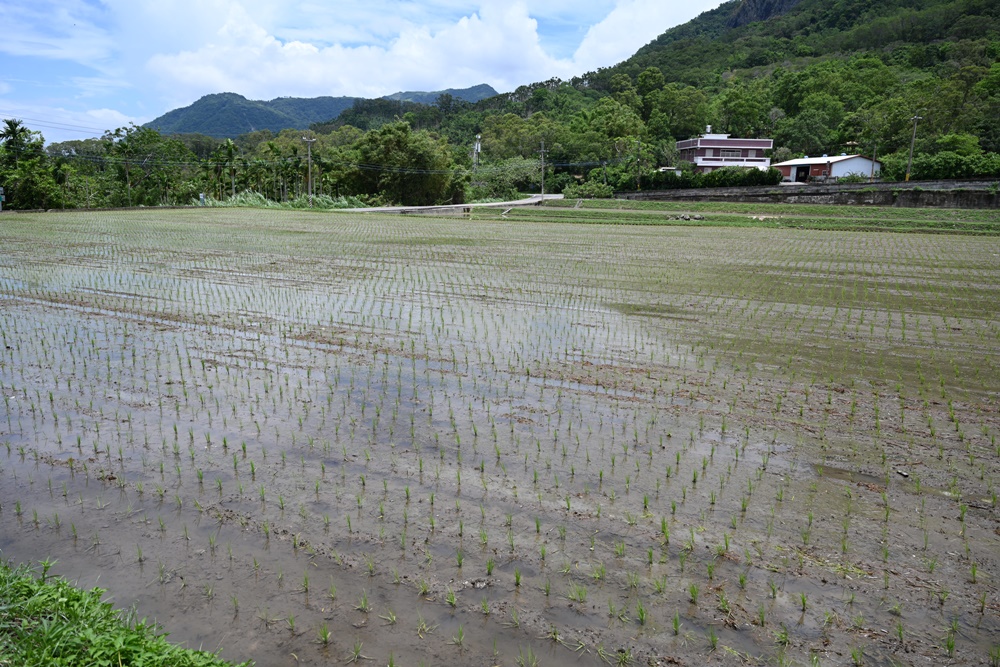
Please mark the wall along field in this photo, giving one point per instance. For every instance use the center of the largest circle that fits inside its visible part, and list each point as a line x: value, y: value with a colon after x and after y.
x: 300, y: 438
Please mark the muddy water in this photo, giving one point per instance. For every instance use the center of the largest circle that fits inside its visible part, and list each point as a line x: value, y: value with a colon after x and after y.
x: 447, y: 455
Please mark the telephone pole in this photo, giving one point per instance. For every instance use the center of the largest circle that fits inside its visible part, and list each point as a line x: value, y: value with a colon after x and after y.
x: 542, y: 153
x: 913, y: 140
x: 638, y: 164
x: 309, y: 145
x: 871, y: 179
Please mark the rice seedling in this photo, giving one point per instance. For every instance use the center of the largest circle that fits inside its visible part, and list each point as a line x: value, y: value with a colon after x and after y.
x: 355, y: 655
x: 526, y: 658
x: 461, y: 375
x: 577, y: 593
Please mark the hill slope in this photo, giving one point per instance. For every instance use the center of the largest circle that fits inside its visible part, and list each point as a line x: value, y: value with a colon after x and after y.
x: 474, y: 94
x: 747, y: 34
x: 230, y: 115
x: 224, y: 115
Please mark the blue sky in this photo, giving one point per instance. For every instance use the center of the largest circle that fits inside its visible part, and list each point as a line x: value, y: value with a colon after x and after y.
x: 73, y: 68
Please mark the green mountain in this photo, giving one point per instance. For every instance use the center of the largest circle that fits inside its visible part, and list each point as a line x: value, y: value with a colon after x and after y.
x: 743, y: 36
x: 230, y: 115
x: 223, y: 115
x: 474, y: 94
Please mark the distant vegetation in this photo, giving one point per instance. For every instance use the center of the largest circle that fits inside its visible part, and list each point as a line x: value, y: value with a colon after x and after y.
x: 819, y: 77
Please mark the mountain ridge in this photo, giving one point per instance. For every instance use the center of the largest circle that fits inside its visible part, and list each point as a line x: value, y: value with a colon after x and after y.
x: 474, y: 94
x: 228, y: 115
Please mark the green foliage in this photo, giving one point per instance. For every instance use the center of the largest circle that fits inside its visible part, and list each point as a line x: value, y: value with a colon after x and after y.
x: 943, y: 165
x: 249, y: 199
x: 47, y: 621
x: 727, y: 177
x: 589, y: 190
x: 502, y: 180
x: 413, y: 168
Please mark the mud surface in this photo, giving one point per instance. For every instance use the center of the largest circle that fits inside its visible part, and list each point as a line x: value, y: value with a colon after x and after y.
x: 299, y: 438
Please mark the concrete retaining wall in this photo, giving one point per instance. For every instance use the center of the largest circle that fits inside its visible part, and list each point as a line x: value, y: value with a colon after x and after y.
x: 915, y: 194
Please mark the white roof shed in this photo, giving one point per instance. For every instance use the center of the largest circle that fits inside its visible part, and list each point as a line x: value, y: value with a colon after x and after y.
x: 835, y: 166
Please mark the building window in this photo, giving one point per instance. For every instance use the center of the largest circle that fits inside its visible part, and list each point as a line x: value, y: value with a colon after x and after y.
x: 730, y: 152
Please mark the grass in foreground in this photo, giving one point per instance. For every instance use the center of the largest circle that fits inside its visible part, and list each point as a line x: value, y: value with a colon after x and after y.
x: 45, y: 620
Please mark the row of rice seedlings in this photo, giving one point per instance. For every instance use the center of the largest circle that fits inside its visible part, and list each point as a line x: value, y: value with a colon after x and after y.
x: 280, y: 399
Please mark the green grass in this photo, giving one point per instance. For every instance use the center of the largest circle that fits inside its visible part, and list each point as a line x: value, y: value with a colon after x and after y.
x: 48, y: 621
x: 772, y: 216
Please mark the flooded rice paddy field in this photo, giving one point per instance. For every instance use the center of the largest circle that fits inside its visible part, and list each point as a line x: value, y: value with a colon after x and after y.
x: 308, y: 439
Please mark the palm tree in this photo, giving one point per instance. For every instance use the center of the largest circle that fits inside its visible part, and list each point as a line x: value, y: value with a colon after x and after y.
x: 15, y: 136
x: 227, y: 153
x: 231, y: 151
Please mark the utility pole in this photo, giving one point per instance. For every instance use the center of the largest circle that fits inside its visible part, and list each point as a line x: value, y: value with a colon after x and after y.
x: 871, y: 179
x: 542, y: 153
x: 638, y: 164
x: 309, y: 145
x: 476, y: 150
x: 913, y: 140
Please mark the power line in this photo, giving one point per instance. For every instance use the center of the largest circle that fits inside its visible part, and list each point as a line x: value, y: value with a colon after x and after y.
x: 55, y: 124
x: 363, y: 166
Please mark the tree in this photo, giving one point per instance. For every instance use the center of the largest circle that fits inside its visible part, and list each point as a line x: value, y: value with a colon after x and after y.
x: 146, y: 168
x: 411, y: 168
x: 229, y: 152
x: 807, y: 133
x: 682, y: 109
x: 742, y: 109
x: 29, y: 180
x: 14, y: 137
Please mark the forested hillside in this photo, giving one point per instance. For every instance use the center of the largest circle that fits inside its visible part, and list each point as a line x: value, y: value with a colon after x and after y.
x: 473, y: 94
x: 816, y: 76
x: 228, y: 115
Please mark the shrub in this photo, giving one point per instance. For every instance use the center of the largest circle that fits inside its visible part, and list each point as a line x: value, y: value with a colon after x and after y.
x: 853, y: 177
x: 589, y: 190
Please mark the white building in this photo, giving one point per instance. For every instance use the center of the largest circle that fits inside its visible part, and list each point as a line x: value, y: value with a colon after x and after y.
x: 827, y: 168
x: 713, y: 151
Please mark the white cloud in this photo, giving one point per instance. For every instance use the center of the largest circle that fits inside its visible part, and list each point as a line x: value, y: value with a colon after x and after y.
x: 498, y: 45
x: 113, y: 119
x: 631, y: 25
x: 138, y: 58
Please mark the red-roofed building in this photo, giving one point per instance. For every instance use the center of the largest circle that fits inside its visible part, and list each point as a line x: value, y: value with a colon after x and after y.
x: 714, y: 151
